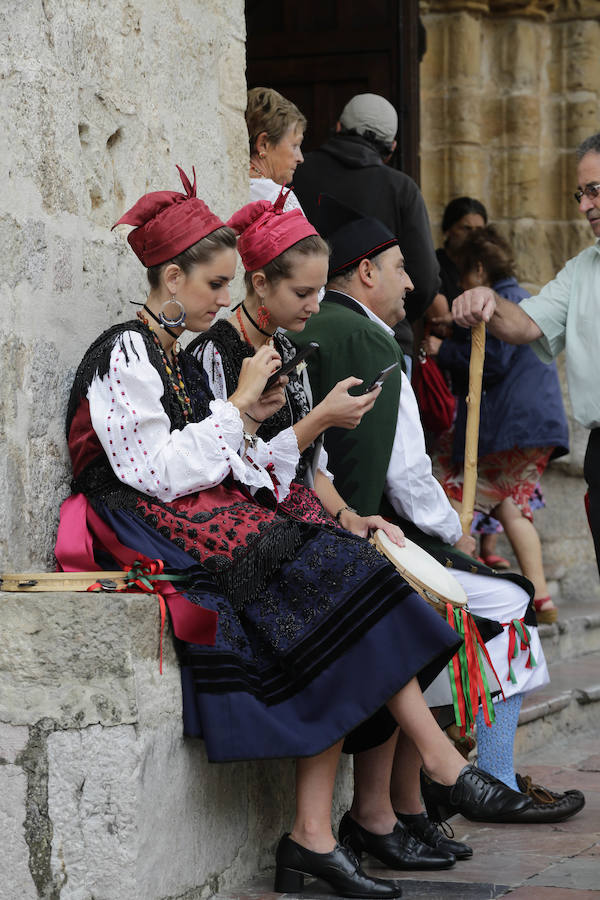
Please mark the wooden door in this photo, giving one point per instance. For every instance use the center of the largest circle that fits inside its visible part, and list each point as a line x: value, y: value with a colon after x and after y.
x: 319, y: 53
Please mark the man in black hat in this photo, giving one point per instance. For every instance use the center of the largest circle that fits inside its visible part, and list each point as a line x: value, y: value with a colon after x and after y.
x: 352, y: 167
x: 382, y: 466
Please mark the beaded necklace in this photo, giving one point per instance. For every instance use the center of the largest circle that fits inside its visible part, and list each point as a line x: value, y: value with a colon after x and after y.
x: 238, y: 316
x: 176, y: 378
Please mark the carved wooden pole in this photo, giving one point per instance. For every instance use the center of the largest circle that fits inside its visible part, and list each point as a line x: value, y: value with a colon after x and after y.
x: 472, y: 430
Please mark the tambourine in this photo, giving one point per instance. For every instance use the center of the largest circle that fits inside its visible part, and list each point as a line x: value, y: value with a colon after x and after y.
x: 426, y: 575
x: 472, y: 677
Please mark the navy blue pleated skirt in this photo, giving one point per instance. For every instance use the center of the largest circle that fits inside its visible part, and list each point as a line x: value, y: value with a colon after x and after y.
x: 313, y: 659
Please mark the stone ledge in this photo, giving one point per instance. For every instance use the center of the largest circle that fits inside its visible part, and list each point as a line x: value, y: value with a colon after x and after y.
x: 102, y: 795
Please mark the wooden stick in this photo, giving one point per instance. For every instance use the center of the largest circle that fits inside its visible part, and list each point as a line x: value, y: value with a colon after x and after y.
x: 60, y: 581
x: 472, y: 431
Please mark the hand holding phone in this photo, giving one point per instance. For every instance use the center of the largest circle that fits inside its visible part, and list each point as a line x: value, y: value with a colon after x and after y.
x: 380, y: 378
x: 288, y: 367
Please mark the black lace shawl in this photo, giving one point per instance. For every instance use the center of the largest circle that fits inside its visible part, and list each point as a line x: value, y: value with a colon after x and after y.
x: 98, y: 480
x: 233, y: 352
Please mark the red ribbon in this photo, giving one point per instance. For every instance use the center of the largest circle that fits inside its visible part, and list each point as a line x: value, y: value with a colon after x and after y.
x: 517, y: 628
x: 81, y: 530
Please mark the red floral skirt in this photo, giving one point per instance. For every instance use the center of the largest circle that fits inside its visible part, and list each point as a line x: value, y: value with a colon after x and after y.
x: 509, y: 473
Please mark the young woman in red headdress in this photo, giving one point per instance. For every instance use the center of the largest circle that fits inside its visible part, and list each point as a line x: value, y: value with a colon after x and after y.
x: 315, y: 631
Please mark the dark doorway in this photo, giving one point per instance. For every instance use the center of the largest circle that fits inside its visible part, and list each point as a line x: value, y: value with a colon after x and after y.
x: 319, y: 53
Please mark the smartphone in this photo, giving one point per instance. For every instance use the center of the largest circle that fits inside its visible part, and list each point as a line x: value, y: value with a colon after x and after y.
x: 379, y: 379
x: 288, y: 367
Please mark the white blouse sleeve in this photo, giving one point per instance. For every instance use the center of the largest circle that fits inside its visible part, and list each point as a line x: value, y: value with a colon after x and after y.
x: 410, y: 485
x: 134, y: 430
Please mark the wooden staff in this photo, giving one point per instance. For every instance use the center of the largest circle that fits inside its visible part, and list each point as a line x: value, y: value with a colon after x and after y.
x: 472, y: 430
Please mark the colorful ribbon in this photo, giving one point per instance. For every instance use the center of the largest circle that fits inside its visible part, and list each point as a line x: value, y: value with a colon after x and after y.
x: 143, y: 576
x: 518, y: 628
x: 468, y: 679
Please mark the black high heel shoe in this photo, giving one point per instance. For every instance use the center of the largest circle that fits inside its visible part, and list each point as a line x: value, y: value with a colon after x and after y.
x: 340, y: 869
x: 476, y: 795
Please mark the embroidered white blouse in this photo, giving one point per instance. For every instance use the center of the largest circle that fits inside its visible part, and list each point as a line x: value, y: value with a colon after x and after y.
x: 134, y: 430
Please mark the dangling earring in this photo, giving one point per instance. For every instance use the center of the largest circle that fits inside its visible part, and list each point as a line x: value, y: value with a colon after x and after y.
x: 263, y: 315
x: 172, y: 323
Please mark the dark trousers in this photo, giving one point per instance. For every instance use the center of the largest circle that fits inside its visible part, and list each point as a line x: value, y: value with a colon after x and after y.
x: 591, y: 471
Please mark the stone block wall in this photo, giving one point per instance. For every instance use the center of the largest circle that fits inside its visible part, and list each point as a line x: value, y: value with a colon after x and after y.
x: 100, y: 795
x: 100, y: 101
x: 509, y: 88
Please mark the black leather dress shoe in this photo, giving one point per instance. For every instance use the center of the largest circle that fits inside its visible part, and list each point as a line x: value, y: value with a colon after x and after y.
x: 423, y: 829
x: 397, y: 850
x: 547, y: 805
x: 476, y: 795
x: 340, y: 869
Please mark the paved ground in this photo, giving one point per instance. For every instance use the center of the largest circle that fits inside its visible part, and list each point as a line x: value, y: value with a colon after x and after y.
x: 535, y: 862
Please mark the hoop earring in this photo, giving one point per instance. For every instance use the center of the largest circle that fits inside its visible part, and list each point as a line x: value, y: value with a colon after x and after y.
x: 172, y: 323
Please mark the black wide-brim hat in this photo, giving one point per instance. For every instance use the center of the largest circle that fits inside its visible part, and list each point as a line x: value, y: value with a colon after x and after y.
x: 351, y: 235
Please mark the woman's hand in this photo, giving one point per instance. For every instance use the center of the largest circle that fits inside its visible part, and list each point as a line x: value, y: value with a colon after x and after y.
x: 432, y: 345
x: 269, y: 402
x: 253, y: 377
x: 364, y: 525
x: 341, y: 410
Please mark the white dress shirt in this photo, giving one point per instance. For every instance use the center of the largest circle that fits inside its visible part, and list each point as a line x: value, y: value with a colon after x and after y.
x: 410, y: 485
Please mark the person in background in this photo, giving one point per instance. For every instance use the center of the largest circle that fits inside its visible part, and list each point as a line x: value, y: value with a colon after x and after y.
x: 461, y: 215
x: 562, y: 316
x: 275, y: 131
x: 522, y: 423
x: 352, y: 166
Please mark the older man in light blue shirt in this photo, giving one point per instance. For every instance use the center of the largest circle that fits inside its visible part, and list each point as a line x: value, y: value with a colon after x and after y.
x: 565, y: 314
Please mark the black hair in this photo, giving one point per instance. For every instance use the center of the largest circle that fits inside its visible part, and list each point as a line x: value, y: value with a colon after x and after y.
x: 591, y: 144
x: 462, y: 206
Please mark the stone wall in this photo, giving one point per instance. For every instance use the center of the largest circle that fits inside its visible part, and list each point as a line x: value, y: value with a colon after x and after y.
x: 509, y: 88
x: 100, y: 796
x: 100, y: 100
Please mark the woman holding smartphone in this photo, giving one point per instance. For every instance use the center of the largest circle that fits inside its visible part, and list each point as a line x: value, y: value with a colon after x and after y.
x: 285, y: 270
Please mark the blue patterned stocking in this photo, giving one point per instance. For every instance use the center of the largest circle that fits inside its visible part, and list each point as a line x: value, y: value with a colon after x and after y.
x: 495, y: 744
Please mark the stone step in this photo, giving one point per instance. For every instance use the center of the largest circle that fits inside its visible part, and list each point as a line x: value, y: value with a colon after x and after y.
x: 576, y: 633
x: 570, y: 703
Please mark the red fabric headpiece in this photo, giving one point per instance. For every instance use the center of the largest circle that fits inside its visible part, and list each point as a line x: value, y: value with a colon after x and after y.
x: 167, y: 223
x: 265, y: 231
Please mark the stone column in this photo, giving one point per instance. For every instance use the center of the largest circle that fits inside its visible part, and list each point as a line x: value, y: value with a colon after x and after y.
x: 509, y: 89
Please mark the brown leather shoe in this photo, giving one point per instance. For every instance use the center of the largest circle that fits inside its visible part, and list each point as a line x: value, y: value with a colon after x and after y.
x: 548, y: 806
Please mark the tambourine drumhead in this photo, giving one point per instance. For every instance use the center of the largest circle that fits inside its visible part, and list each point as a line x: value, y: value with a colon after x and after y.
x: 428, y: 577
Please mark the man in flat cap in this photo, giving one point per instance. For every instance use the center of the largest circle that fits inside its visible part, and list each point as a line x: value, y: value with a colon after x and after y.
x: 351, y: 167
x: 382, y: 466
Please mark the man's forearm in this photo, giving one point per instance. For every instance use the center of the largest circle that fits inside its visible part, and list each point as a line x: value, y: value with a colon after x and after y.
x: 512, y: 324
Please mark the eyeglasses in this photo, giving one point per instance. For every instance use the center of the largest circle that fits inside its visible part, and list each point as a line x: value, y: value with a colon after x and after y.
x: 590, y: 190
